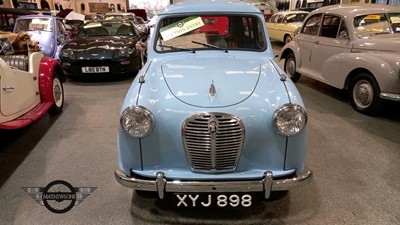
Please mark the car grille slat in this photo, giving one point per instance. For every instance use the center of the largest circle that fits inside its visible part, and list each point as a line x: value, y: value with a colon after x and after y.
x: 213, y: 141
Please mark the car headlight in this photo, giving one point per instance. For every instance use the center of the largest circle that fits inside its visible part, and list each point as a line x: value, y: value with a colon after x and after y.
x: 290, y: 119
x: 67, y: 52
x: 137, y: 121
x: 123, y: 52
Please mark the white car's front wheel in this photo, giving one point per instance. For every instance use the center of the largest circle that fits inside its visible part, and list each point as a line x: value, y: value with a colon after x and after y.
x: 58, y: 95
x: 364, y: 91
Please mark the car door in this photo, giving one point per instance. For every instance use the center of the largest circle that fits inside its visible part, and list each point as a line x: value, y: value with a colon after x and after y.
x: 327, y: 48
x: 19, y: 92
x: 306, y: 40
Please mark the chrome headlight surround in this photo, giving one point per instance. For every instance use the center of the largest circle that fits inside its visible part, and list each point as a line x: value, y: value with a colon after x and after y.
x: 124, y: 52
x: 67, y: 53
x: 290, y: 119
x: 137, y: 121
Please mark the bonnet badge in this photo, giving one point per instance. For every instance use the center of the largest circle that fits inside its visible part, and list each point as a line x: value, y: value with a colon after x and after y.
x: 212, y: 90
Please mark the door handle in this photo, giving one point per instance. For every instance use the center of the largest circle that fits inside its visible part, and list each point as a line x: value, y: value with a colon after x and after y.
x: 6, y: 88
x: 316, y: 42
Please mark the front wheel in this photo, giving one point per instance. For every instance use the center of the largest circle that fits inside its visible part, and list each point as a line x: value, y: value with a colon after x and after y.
x: 364, y: 94
x: 288, y: 39
x: 58, y: 95
x: 290, y: 67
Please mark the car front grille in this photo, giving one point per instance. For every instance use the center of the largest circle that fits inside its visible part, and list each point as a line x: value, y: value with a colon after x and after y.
x: 213, y: 142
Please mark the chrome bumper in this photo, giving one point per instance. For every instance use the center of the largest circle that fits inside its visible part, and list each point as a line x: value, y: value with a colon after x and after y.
x: 390, y: 96
x: 161, y: 185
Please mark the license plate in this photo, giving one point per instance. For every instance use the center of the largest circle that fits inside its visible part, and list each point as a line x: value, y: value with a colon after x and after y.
x: 207, y: 200
x: 97, y: 69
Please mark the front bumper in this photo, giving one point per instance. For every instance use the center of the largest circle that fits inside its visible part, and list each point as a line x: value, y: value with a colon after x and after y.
x: 161, y: 185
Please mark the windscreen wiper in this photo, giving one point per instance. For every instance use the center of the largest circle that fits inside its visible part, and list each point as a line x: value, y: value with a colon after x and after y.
x: 211, y: 46
x: 177, y: 48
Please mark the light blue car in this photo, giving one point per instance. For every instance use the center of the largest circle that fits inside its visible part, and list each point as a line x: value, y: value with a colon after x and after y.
x: 211, y: 117
x: 49, y: 31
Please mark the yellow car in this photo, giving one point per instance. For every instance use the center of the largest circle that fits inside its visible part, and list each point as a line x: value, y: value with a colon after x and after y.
x: 283, y: 26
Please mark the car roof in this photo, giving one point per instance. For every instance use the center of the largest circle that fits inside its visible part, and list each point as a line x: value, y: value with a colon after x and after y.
x: 120, y: 14
x: 290, y: 12
x: 357, y: 9
x: 39, y: 16
x: 209, y: 6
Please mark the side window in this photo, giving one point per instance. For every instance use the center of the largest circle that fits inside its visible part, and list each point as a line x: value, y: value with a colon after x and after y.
x: 343, y: 32
x: 273, y: 19
x: 60, y: 27
x: 330, y: 26
x: 311, y: 26
x: 280, y: 19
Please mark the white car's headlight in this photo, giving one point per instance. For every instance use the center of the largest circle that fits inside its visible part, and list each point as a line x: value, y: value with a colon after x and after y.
x: 290, y: 119
x: 137, y: 121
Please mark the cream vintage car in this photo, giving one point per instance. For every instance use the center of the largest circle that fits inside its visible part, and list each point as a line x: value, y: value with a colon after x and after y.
x: 283, y: 26
x: 354, y: 47
x: 31, y: 84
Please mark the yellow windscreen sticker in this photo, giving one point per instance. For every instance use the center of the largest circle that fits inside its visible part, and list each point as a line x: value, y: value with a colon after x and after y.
x: 372, y: 17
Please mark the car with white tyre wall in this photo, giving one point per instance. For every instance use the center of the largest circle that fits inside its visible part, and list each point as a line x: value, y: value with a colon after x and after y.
x: 354, y: 47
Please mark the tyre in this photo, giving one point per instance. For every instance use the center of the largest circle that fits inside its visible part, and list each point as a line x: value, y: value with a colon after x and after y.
x: 364, y: 94
x: 290, y: 67
x: 58, y: 95
x: 288, y: 39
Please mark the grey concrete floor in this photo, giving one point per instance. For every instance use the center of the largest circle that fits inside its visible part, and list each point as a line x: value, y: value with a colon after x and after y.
x: 355, y: 158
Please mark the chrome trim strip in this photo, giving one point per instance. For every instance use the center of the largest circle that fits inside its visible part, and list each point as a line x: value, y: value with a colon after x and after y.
x: 390, y: 96
x: 162, y: 185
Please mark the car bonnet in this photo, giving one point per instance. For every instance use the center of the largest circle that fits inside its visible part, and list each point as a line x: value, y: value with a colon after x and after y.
x: 211, y: 82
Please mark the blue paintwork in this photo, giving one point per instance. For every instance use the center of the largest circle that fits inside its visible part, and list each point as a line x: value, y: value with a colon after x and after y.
x: 47, y: 39
x: 248, y: 84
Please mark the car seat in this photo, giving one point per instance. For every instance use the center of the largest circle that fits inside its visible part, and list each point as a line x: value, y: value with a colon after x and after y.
x: 124, y: 30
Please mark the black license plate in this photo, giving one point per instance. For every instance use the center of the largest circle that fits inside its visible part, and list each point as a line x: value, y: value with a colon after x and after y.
x: 219, y: 200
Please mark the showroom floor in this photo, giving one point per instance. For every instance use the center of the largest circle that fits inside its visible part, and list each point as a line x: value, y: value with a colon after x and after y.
x: 355, y: 159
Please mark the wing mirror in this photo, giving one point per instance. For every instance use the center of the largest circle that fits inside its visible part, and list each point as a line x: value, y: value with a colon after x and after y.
x: 343, y: 35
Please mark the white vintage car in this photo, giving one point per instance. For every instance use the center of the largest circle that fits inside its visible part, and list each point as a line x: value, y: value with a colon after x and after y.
x: 30, y: 83
x: 354, y: 47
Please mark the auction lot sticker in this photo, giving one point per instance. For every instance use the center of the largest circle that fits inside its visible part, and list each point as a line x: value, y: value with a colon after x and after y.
x: 181, y: 27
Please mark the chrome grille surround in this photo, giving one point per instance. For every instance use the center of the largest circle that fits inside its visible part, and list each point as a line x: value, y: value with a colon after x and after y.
x: 213, y: 141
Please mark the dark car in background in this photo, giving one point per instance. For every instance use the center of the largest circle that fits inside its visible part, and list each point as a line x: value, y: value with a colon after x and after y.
x: 137, y: 21
x: 103, y: 48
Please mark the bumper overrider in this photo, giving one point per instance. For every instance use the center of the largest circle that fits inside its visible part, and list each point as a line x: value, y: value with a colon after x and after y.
x: 161, y: 185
